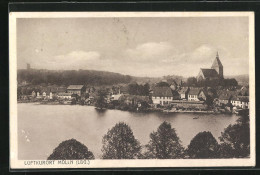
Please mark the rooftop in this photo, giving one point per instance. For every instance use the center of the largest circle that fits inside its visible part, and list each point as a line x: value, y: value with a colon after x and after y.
x: 73, y: 87
x: 162, y: 92
x: 194, y: 91
x: 209, y: 73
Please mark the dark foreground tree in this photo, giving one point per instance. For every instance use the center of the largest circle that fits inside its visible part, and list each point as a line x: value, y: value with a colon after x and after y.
x: 203, y: 146
x: 164, y: 144
x: 71, y: 150
x: 120, y: 143
x: 235, y: 140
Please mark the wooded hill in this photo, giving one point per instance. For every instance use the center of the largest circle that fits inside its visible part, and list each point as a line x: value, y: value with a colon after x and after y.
x: 67, y: 77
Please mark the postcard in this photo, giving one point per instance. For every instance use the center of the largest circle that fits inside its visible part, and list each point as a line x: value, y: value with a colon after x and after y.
x: 131, y: 89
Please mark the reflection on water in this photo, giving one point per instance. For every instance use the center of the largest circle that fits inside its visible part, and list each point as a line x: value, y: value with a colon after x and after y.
x: 101, y: 112
x: 49, y: 125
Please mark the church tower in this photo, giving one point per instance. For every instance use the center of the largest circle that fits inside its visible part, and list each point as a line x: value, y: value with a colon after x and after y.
x: 217, y: 65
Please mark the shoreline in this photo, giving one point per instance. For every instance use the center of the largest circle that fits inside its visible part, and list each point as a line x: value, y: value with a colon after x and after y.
x: 148, y: 110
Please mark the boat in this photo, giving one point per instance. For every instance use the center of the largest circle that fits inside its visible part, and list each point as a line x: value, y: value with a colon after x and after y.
x: 195, y: 117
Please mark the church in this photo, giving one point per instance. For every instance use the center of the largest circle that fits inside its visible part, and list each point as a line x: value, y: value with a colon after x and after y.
x: 215, y: 73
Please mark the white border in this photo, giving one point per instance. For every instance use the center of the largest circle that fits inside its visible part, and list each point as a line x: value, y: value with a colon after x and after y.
x: 15, y: 163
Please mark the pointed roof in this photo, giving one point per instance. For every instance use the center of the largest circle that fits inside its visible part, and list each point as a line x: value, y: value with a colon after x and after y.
x: 217, y: 62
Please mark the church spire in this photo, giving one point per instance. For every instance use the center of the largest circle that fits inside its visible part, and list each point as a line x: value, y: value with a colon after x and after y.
x: 217, y: 65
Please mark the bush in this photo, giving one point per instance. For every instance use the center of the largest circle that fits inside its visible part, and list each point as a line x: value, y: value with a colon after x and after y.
x: 120, y: 143
x: 164, y: 144
x: 71, y: 150
x: 203, y: 146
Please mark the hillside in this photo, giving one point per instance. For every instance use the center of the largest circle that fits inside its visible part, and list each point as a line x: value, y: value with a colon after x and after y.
x: 66, y: 77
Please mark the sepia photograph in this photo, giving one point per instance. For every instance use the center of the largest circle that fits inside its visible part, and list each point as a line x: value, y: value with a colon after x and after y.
x: 131, y: 89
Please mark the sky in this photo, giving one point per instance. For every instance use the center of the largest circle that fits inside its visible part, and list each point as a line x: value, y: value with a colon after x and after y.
x: 150, y: 47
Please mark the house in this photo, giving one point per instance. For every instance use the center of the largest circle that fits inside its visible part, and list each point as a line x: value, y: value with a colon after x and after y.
x: 184, y: 93
x: 162, y: 95
x: 64, y: 95
x: 214, y: 73
x: 33, y: 94
x: 76, y: 89
x: 240, y: 101
x: 196, y: 94
x: 115, y: 97
x: 224, y: 96
x: 47, y: 93
x: 133, y: 99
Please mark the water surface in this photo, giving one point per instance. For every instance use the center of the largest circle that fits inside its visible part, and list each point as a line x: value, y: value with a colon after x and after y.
x: 41, y: 128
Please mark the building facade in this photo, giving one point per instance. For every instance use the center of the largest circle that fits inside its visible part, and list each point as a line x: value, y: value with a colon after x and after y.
x: 196, y: 94
x: 76, y: 89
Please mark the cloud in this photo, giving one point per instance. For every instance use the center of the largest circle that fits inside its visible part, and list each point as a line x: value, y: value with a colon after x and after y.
x: 74, y: 60
x: 153, y: 59
x: 151, y: 51
x: 78, y: 56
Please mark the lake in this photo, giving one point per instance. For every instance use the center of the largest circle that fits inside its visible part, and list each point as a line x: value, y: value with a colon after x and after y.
x: 41, y: 128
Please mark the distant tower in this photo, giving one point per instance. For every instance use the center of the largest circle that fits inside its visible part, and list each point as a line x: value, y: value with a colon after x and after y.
x: 28, y: 66
x: 217, y: 65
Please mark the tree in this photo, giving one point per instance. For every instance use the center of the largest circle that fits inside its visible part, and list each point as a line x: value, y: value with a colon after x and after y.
x: 235, y: 140
x: 191, y: 81
x: 146, y: 89
x: 120, y: 143
x: 162, y: 84
x: 136, y: 89
x: 101, y: 102
x: 71, y: 150
x: 203, y: 146
x: 164, y: 144
x: 230, y: 82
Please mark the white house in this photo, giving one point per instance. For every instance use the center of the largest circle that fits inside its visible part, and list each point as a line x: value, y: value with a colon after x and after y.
x: 64, y: 95
x: 184, y: 93
x: 162, y: 95
x: 196, y: 94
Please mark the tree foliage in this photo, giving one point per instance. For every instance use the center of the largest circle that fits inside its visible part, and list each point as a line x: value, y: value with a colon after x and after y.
x: 101, y: 99
x: 136, y: 89
x: 71, y: 150
x: 235, y: 140
x: 162, y: 84
x: 120, y: 143
x: 68, y: 77
x: 203, y: 146
x: 164, y: 144
x: 191, y: 81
